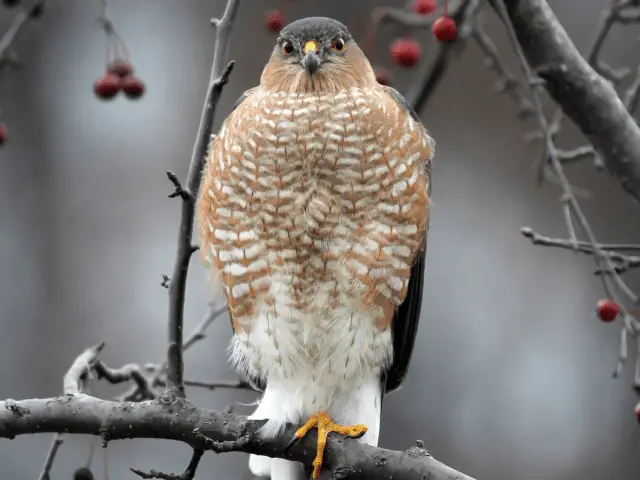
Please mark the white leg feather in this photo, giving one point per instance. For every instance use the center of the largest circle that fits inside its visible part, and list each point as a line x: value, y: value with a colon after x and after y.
x: 360, y: 406
x: 347, y: 407
x: 275, y: 406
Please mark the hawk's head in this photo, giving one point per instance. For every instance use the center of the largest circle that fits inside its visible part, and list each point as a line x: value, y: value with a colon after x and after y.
x: 317, y: 53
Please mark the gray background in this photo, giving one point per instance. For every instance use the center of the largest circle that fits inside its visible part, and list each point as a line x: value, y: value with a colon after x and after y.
x: 511, y: 378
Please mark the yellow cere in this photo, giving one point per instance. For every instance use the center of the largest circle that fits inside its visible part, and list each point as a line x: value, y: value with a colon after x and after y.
x: 310, y: 45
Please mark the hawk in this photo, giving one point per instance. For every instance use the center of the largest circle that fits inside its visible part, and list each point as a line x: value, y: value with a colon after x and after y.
x: 313, y: 216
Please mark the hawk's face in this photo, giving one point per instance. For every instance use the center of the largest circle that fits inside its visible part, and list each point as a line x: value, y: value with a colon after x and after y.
x: 316, y: 53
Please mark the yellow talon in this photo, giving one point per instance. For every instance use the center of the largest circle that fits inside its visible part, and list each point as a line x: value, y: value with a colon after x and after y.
x: 325, y: 426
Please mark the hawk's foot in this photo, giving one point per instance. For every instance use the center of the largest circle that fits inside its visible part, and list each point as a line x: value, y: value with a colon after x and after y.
x: 325, y: 426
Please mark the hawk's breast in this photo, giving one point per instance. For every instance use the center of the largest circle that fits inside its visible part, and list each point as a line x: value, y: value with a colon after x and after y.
x: 312, y: 209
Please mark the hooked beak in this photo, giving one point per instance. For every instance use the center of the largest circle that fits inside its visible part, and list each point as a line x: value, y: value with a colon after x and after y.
x: 311, y: 61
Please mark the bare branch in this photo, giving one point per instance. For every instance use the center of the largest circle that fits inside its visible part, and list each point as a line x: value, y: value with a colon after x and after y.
x: 621, y: 262
x: 178, y: 191
x: 14, y: 30
x: 577, y: 154
x: 200, y: 332
x: 611, y: 280
x: 587, y: 98
x: 221, y: 384
x: 178, y: 420
x: 507, y: 82
x: 242, y: 440
x: 177, y: 286
x: 633, y: 93
x: 124, y: 374
x: 80, y: 369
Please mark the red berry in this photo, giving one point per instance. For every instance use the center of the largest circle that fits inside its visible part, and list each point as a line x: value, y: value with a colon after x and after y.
x: 637, y: 410
x: 445, y: 29
x: 3, y: 133
x: 607, y: 310
x: 107, y: 86
x: 383, y: 76
x: 132, y: 86
x: 274, y: 20
x: 121, y: 68
x: 425, y: 7
x: 406, y: 52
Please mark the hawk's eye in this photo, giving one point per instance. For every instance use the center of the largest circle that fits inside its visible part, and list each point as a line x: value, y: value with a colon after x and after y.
x: 338, y: 45
x: 287, y: 48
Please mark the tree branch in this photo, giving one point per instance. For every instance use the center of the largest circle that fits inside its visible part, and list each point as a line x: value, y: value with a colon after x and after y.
x: 177, y: 286
x: 604, y: 263
x: 181, y: 421
x: 621, y: 262
x: 587, y: 98
x: 14, y: 30
x: 80, y: 369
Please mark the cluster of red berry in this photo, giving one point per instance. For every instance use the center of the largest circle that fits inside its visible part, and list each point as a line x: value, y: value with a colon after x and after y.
x: 406, y: 52
x: 119, y: 76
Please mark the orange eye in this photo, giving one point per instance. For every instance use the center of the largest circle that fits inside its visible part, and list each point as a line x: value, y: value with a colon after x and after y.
x: 287, y: 48
x: 338, y: 45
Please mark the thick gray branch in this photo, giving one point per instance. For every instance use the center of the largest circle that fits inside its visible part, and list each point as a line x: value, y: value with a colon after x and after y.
x: 587, y: 98
x: 178, y: 420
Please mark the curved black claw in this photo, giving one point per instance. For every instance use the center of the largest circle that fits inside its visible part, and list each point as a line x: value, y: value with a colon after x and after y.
x: 293, y: 441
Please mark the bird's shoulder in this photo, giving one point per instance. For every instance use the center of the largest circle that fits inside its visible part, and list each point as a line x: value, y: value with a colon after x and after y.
x: 245, y: 95
x: 399, y: 99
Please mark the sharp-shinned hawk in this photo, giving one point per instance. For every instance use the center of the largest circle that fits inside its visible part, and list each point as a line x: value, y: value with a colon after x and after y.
x: 313, y: 216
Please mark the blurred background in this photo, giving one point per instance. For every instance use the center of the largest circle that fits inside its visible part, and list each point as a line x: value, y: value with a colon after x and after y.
x: 511, y: 375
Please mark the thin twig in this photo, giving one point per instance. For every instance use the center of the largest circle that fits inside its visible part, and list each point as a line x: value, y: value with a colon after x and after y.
x: 51, y: 456
x: 177, y: 286
x: 633, y: 93
x: 621, y: 262
x: 507, y: 82
x: 220, y: 384
x: 188, y: 474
